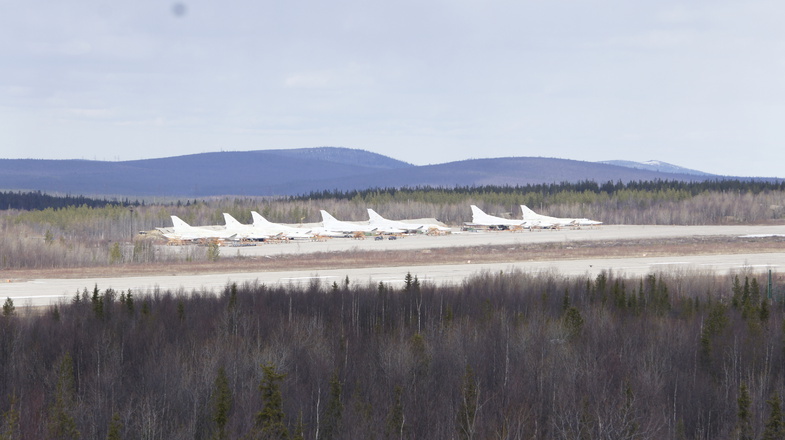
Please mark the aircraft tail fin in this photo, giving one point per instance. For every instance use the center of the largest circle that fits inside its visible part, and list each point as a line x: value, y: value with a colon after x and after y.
x: 374, y: 216
x: 178, y: 223
x: 258, y: 220
x: 231, y: 221
x: 528, y: 213
x: 478, y: 214
x: 327, y: 218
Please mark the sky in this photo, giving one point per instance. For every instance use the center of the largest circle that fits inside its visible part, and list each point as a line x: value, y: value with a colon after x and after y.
x: 699, y: 84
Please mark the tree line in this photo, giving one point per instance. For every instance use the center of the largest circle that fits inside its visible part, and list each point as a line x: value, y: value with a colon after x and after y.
x: 674, y: 190
x: 81, y: 235
x: 691, y: 188
x: 36, y: 200
x: 508, y: 355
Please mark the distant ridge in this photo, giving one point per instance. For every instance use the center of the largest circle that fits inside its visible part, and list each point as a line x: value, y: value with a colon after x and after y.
x: 505, y: 171
x: 300, y: 171
x: 656, y: 165
x: 343, y: 156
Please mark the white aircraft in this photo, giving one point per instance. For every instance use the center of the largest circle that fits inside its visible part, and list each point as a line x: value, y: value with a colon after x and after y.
x: 247, y: 232
x: 481, y: 218
x: 333, y: 225
x: 184, y: 231
x: 266, y: 226
x: 530, y: 215
x: 383, y: 223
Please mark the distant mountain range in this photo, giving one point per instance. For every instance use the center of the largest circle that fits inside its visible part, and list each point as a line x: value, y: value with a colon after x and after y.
x: 656, y: 165
x: 301, y: 171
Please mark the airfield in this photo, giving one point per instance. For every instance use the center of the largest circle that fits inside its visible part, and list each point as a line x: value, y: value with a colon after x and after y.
x: 496, y: 238
x: 32, y: 291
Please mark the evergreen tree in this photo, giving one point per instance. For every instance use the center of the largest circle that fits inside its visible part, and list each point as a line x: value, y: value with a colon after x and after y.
x: 145, y: 308
x: 8, y: 307
x: 746, y: 303
x: 705, y: 348
x: 469, y: 405
x: 586, y: 422
x: 270, y: 420
x: 737, y: 291
x: 49, y: 238
x: 232, y: 296
x: 408, y: 281
x: 629, y: 411
x: 716, y: 322
x: 11, y: 421
x: 565, y: 304
x: 299, y: 429
x: 115, y: 254
x: 449, y: 315
x: 763, y: 311
x: 754, y: 291
x: 62, y: 424
x: 129, y: 302
x: 775, y: 426
x: 573, y: 322
x: 681, y: 433
x: 619, y: 294
x: 396, y: 422
x: 181, y: 311
x: 98, y: 303
x: 332, y: 415
x: 744, y: 414
x: 213, y: 252
x: 115, y: 428
x: 222, y: 404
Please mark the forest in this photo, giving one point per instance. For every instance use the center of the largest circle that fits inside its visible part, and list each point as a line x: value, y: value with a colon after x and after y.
x: 105, y: 234
x: 502, y: 355
x: 546, y: 190
x: 36, y: 200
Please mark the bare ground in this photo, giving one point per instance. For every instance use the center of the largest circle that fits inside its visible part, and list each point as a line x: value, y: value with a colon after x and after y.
x: 699, y: 245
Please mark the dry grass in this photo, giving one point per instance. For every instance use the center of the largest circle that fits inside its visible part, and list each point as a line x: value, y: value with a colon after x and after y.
x: 704, y: 245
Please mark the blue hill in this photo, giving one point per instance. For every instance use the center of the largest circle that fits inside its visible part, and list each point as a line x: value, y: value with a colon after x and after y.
x: 300, y: 171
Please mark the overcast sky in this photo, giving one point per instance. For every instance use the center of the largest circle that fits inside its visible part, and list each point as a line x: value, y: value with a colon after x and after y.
x: 699, y: 84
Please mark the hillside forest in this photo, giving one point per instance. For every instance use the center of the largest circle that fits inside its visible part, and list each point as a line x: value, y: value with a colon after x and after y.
x: 41, y: 231
x: 499, y: 356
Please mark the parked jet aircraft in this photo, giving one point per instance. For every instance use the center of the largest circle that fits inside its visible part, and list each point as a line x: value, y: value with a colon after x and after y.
x: 184, y: 231
x: 381, y: 222
x: 481, y: 218
x: 266, y: 226
x: 247, y: 232
x: 530, y: 215
x: 333, y: 225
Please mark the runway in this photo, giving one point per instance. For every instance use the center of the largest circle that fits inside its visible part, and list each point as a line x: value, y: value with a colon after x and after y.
x: 38, y: 292
x: 565, y: 235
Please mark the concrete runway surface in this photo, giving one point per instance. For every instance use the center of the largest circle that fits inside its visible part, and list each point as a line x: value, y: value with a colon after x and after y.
x: 39, y: 292
x: 566, y: 235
